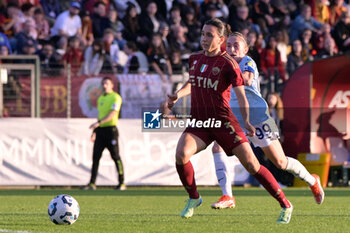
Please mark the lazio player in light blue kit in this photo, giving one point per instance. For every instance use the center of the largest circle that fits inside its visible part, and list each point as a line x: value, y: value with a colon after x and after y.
x: 266, y: 136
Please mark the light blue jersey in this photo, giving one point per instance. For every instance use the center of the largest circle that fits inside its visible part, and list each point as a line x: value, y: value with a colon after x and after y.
x: 258, y: 108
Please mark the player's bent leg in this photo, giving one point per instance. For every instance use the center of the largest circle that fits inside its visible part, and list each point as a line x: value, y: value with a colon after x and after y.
x: 247, y: 158
x: 261, y: 173
x: 276, y: 154
x: 188, y: 145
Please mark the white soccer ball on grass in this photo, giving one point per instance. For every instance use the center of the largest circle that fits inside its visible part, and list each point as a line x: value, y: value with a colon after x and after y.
x: 63, y: 210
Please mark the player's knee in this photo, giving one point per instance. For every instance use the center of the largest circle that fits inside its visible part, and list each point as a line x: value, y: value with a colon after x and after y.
x: 182, y: 156
x: 252, y: 166
x: 281, y: 163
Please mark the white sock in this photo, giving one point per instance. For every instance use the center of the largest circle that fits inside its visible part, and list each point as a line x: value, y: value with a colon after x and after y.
x: 298, y: 170
x: 222, y: 173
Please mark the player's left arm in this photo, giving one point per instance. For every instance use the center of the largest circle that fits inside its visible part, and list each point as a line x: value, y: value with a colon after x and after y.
x: 244, y: 107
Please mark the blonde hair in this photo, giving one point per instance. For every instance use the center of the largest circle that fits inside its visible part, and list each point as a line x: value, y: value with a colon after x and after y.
x: 240, y: 36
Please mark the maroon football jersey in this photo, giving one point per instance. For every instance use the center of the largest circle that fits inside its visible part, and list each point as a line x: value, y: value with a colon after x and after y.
x: 211, y: 79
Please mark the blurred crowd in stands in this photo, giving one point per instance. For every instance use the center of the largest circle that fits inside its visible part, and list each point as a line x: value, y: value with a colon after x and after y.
x: 139, y: 36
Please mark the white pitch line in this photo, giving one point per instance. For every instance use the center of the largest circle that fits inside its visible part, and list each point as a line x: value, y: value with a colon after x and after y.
x: 14, y: 231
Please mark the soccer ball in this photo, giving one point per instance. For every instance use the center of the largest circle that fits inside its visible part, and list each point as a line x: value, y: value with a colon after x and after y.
x: 63, y: 210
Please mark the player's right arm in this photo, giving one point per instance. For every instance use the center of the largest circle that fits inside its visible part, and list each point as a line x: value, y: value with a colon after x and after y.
x: 248, y: 72
x: 248, y: 77
x: 244, y: 107
x: 182, y: 92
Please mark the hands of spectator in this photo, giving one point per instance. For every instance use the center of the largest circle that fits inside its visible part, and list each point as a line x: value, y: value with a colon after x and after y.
x: 269, y: 19
x: 347, y: 42
x: 172, y: 99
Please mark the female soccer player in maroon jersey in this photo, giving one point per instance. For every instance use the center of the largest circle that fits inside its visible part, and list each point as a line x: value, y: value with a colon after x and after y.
x: 212, y: 74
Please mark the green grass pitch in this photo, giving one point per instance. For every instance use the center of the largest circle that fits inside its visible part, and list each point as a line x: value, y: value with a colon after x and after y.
x: 156, y: 209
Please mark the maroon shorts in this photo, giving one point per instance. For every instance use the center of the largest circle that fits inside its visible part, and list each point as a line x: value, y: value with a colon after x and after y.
x: 229, y: 136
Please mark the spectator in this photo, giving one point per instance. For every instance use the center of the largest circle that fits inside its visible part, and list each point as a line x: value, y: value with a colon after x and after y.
x: 68, y: 23
x: 320, y: 10
x: 74, y: 56
x: 116, y: 25
x: 158, y: 58
x: 28, y: 48
x: 99, y: 20
x: 194, y: 28
x: 61, y: 49
x: 319, y: 38
x: 131, y: 25
x: 329, y: 49
x: 22, y: 2
x: 304, y: 21
x: 282, y: 43
x: 4, y: 41
x: 307, y: 50
x: 28, y: 13
x: 94, y: 57
x: 150, y: 20
x: 209, y: 13
x: 186, y: 6
x: 42, y: 25
x: 115, y: 56
x: 87, y: 35
x: 275, y: 104
x: 241, y: 22
x: 3, y: 4
x: 180, y: 42
x: 123, y: 5
x: 51, y: 10
x: 335, y: 10
x: 295, y: 58
x: 342, y: 32
x: 284, y: 8
x: 4, y: 50
x: 8, y: 21
x: 253, y: 49
x: 221, y: 11
x: 25, y: 36
x: 271, y: 65
x: 49, y: 64
x: 137, y: 62
x: 263, y: 16
x: 164, y: 32
x: 177, y: 66
x: 175, y: 18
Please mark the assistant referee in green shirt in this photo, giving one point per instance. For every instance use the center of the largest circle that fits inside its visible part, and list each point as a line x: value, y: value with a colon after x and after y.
x: 106, y: 132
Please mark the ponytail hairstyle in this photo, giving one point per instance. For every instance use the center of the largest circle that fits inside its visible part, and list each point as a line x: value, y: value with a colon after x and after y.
x: 223, y: 28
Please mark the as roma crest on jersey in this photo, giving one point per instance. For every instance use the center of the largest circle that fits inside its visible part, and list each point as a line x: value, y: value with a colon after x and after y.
x: 215, y: 70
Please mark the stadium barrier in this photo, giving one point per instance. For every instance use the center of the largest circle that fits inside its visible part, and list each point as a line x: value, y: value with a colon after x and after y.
x: 54, y: 151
